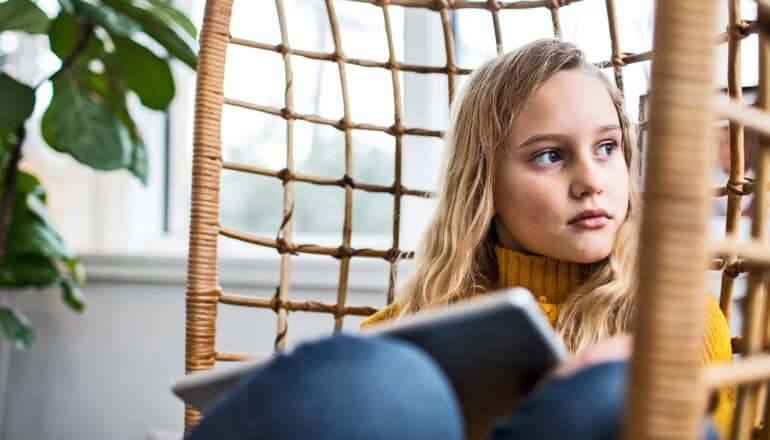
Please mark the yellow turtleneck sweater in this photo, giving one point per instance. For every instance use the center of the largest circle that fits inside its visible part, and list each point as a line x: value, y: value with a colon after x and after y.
x: 550, y: 281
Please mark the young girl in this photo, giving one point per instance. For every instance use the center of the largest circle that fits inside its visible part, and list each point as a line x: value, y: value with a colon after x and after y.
x: 540, y: 190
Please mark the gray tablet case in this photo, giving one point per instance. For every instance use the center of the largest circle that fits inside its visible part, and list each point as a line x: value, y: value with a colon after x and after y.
x: 499, y: 342
x: 493, y: 350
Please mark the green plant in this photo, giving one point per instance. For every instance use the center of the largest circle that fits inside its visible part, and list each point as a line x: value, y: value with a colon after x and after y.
x: 104, y: 57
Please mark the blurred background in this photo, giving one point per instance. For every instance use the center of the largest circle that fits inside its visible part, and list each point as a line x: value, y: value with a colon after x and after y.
x: 104, y: 372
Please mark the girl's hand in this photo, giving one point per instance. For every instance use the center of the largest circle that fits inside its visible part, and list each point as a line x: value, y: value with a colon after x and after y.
x: 618, y: 347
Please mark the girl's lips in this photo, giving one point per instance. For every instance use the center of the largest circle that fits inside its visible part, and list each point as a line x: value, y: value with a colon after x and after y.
x: 595, y: 222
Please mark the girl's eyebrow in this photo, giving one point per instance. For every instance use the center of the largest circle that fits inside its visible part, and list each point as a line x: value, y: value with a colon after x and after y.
x: 609, y: 127
x: 542, y: 137
x: 561, y: 137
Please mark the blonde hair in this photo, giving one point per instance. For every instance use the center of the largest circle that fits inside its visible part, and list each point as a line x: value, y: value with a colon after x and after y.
x: 456, y: 260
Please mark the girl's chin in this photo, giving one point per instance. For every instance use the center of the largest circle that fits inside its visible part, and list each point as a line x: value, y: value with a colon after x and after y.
x: 589, y: 260
x: 587, y: 256
x: 576, y: 255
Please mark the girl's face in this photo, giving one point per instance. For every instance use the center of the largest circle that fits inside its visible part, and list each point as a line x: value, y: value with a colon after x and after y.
x: 561, y: 185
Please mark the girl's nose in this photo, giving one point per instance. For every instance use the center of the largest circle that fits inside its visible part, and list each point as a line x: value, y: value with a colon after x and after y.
x: 587, y: 179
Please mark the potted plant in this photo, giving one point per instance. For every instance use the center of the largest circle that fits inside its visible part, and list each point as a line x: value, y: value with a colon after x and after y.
x: 102, y: 61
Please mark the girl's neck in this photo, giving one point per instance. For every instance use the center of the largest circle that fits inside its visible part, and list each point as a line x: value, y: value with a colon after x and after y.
x: 549, y: 280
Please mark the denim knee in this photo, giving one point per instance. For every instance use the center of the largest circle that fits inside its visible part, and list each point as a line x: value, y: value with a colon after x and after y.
x: 585, y: 405
x: 340, y: 387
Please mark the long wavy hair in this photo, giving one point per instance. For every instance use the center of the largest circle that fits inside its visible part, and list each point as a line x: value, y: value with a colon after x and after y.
x: 456, y: 259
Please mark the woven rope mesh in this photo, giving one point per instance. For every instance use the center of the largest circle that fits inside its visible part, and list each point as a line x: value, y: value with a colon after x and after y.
x: 220, y: 42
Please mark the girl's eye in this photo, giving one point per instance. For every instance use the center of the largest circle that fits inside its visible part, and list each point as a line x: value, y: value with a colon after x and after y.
x: 548, y: 157
x: 606, y: 149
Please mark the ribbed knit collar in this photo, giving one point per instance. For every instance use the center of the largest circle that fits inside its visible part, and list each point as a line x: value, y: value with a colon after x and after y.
x: 549, y: 280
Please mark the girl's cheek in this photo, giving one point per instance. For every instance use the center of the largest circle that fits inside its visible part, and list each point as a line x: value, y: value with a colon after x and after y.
x: 539, y: 202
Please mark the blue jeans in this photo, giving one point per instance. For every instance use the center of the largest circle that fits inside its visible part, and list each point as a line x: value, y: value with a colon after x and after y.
x: 351, y: 387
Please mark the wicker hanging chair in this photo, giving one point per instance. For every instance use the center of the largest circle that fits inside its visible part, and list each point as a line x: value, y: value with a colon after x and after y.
x: 669, y: 387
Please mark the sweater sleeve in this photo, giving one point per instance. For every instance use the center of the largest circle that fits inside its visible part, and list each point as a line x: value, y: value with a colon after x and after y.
x: 384, y: 314
x: 718, y: 349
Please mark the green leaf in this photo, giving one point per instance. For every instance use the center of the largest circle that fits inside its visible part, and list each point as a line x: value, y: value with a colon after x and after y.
x: 111, y: 91
x: 27, y: 270
x: 16, y: 328
x: 27, y: 183
x: 168, y: 12
x: 159, y: 30
x: 17, y: 103
x: 72, y: 295
x: 64, y: 33
x: 106, y: 17
x: 6, y: 153
x: 8, y: 140
x: 29, y: 236
x: 37, y: 207
x: 76, y: 270
x: 140, y: 162
x: 146, y: 74
x: 22, y: 15
x: 92, y: 134
x: 67, y: 6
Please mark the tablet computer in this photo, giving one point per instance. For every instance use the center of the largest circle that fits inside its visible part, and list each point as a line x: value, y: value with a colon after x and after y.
x: 493, y: 349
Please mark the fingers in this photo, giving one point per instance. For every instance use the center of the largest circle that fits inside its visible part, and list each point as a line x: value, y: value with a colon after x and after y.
x: 612, y: 349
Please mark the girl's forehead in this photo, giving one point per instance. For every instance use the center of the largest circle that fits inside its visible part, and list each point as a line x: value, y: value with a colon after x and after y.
x: 570, y: 103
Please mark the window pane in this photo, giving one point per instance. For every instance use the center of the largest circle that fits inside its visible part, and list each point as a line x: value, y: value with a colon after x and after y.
x: 254, y: 203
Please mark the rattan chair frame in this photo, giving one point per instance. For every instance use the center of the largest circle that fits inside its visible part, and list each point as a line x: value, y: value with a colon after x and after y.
x: 668, y: 386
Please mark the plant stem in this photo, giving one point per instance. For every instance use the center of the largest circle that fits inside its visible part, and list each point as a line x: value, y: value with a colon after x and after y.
x: 9, y: 189
x: 67, y: 62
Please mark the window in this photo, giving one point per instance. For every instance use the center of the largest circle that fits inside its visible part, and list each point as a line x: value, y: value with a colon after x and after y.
x: 256, y: 76
x: 584, y: 23
x: 113, y: 213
